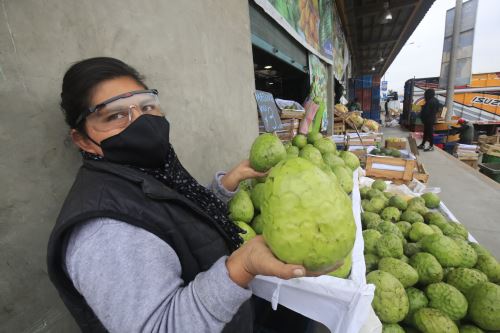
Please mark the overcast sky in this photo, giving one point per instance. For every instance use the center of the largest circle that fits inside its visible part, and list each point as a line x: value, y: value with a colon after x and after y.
x: 421, y: 55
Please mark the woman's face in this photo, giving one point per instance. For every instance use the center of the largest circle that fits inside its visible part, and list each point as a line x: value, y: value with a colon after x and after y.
x: 102, y: 92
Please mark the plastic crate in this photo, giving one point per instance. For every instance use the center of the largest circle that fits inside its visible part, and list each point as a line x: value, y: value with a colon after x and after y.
x: 491, y: 159
x: 439, y: 139
x: 491, y: 170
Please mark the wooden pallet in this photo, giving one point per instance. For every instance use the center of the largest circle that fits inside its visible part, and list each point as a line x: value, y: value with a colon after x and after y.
x: 420, y: 173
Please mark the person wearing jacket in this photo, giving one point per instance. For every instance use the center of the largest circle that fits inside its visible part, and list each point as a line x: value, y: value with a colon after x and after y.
x: 428, y: 117
x: 139, y: 245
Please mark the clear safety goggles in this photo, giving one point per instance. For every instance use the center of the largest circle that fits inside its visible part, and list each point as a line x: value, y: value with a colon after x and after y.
x: 119, y: 111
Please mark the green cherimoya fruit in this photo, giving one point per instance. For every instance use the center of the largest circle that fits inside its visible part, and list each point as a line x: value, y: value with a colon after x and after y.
x: 312, y: 137
x: 240, y: 207
x: 416, y: 200
x: 247, y: 184
x: 431, y: 200
x: 267, y: 150
x: 389, y: 245
x: 363, y: 192
x: 344, y: 177
x: 389, y: 195
x: 390, y: 301
x: 308, y: 218
x: 257, y: 195
x: 258, y: 224
x: 405, y: 259
x: 406, y: 274
x: 418, y: 207
x: 455, y: 229
x: 447, y: 299
x: 445, y: 249
x: 379, y: 185
x: 419, y: 230
x: 409, y: 249
x: 484, y: 305
x: 350, y: 159
x: 429, y: 320
x: 375, y: 205
x: 465, y: 278
x: 470, y: 329
x: 480, y: 250
x: 325, y: 145
x: 370, y: 237
x: 469, y: 256
x: 428, y: 268
x: 343, y: 271
x: 489, y: 266
x: 386, y: 227
x: 416, y: 300
x: 436, y: 229
x: 373, y: 192
x: 411, y: 216
x: 371, y: 262
x: 398, y: 202
x: 249, y: 232
x: 391, y: 214
x: 332, y: 160
x: 404, y: 227
x: 392, y: 328
x: 299, y: 141
x: 311, y: 154
x: 292, y: 151
x: 326, y: 169
x: 435, y: 218
x: 370, y: 220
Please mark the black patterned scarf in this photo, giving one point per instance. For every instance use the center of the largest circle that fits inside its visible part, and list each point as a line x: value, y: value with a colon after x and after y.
x: 175, y: 176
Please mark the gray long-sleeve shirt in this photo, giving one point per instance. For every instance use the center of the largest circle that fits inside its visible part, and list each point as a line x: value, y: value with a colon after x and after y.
x: 132, y: 280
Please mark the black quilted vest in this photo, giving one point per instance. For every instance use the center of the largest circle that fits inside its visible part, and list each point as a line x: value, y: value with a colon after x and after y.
x: 103, y: 189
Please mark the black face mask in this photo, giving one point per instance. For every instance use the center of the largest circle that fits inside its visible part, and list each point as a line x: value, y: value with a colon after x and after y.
x: 144, y: 143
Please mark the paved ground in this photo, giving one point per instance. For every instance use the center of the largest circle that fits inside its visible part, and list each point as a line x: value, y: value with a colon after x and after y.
x: 472, y: 197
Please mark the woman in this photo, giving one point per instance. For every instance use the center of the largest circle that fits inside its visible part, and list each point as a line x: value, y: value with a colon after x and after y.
x: 139, y: 245
x: 428, y: 117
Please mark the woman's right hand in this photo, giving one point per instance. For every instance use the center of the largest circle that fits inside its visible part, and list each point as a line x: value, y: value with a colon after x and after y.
x: 255, y: 258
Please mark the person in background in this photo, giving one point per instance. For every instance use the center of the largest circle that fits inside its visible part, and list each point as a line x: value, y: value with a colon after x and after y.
x: 139, y: 244
x: 428, y: 117
x: 465, y: 131
x: 354, y: 105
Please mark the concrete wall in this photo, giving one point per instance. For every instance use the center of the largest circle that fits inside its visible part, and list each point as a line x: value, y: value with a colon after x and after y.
x: 197, y: 53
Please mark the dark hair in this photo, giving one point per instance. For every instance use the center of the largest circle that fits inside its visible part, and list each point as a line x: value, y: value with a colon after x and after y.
x: 82, y: 77
x: 429, y: 93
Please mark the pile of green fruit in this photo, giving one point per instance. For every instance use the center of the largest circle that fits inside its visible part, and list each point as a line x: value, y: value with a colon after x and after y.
x: 301, y: 207
x: 429, y: 278
x: 385, y: 152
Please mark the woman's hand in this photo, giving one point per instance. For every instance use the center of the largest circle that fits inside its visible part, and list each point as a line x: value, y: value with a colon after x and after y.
x: 255, y: 258
x: 242, y: 171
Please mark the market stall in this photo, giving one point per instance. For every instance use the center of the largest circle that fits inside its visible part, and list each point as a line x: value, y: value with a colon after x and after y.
x: 409, y: 264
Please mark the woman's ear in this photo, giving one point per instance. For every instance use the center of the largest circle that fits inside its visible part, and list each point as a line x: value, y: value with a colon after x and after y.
x: 83, y: 142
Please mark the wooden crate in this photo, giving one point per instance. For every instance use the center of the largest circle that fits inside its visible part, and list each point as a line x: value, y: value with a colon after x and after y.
x: 396, y: 145
x: 339, y: 128
x: 472, y: 162
x: 375, y: 164
x: 420, y: 173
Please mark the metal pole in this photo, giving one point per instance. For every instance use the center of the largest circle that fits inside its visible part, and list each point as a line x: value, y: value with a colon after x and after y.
x: 450, y: 90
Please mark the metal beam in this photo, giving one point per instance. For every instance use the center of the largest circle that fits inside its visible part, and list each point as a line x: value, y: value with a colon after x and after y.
x: 378, y: 8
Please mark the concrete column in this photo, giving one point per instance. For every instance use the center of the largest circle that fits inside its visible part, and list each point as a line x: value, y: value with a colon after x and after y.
x: 450, y: 90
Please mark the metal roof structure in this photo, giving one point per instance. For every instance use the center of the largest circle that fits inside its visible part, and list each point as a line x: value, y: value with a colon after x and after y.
x: 373, y: 40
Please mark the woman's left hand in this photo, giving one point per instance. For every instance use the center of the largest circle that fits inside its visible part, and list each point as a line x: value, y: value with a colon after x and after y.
x: 242, y: 171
